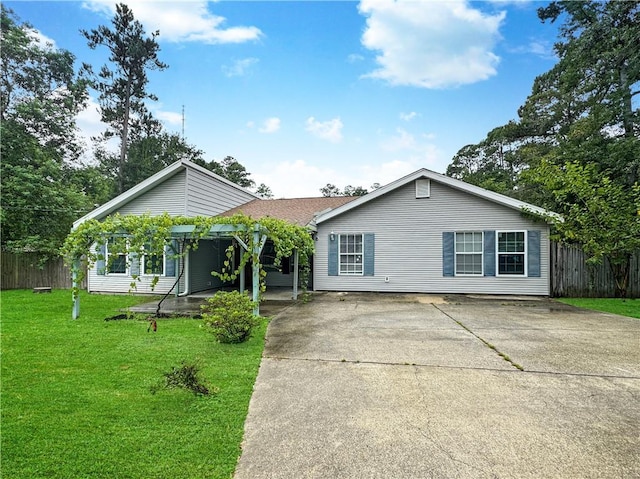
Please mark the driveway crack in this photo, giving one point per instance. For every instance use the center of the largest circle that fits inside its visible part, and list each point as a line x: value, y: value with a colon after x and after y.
x: 484, y: 341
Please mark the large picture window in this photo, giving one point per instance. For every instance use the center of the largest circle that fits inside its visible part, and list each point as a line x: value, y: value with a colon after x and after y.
x: 469, y: 253
x: 512, y: 253
x: 351, y: 254
x: 115, y: 259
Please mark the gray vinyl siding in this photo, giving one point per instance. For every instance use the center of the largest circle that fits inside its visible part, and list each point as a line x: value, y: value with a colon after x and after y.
x: 187, y: 193
x: 207, y: 196
x: 168, y: 196
x: 408, y: 243
x: 121, y: 283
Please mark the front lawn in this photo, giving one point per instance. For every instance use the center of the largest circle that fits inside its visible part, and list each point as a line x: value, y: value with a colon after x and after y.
x: 624, y: 307
x: 77, y: 400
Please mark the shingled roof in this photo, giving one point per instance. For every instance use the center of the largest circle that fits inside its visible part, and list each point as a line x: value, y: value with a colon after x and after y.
x: 299, y: 211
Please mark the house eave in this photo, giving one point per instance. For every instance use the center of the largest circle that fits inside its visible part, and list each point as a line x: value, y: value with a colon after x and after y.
x: 492, y: 196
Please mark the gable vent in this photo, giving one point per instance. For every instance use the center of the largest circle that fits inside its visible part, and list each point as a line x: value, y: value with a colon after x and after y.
x: 423, y: 188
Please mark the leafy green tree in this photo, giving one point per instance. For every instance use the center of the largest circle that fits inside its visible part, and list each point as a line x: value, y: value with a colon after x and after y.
x: 333, y: 190
x: 598, y: 212
x: 330, y: 190
x: 231, y: 169
x: 40, y: 96
x: 264, y: 191
x: 146, y: 156
x: 354, y: 191
x: 122, y: 85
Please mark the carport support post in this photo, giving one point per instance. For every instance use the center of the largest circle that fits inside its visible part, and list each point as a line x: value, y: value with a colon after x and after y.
x: 255, y: 263
x: 75, y: 311
x: 295, y: 274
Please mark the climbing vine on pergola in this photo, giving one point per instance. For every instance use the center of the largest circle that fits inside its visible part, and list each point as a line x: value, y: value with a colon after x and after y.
x: 137, y: 235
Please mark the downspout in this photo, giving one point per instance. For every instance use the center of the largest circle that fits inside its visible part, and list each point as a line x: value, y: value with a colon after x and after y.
x: 185, y: 270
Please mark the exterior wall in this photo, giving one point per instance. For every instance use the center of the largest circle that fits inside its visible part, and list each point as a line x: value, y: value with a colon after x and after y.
x: 276, y: 279
x: 207, y: 196
x: 190, y: 193
x: 121, y: 283
x: 168, y: 196
x: 408, y: 243
x: 207, y: 258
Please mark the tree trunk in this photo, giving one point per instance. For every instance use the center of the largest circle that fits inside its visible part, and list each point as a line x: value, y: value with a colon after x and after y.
x: 124, y: 140
x: 620, y: 270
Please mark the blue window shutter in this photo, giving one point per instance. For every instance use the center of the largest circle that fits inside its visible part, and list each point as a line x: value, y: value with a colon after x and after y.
x: 489, y: 253
x: 533, y: 253
x: 101, y: 266
x: 332, y: 266
x: 369, y: 254
x: 134, y: 268
x: 448, y: 253
x: 170, y: 252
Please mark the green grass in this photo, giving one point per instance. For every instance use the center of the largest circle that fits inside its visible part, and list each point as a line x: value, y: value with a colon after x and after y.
x: 624, y: 307
x: 77, y: 401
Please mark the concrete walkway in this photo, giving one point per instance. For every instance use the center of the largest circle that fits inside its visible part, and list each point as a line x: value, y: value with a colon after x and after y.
x: 399, y: 386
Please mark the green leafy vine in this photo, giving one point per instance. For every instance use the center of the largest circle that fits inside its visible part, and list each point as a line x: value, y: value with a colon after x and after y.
x: 136, y: 235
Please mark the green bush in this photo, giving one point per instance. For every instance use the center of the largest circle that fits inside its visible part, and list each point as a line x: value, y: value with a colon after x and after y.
x: 230, y: 316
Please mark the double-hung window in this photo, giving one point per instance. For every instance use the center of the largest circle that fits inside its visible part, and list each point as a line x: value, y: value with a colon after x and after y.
x: 351, y: 254
x: 115, y: 259
x: 469, y: 253
x: 512, y: 253
x: 152, y: 264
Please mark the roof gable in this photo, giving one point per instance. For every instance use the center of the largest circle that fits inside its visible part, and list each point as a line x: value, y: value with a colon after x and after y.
x: 492, y: 196
x: 143, y: 187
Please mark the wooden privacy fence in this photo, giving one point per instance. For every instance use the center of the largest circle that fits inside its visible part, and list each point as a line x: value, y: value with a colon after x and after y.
x: 572, y: 277
x: 23, y: 271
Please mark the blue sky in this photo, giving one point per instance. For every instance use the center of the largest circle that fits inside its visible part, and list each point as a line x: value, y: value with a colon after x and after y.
x: 308, y: 93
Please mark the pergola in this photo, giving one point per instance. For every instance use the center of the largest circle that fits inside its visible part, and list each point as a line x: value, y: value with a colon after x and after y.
x: 217, y: 231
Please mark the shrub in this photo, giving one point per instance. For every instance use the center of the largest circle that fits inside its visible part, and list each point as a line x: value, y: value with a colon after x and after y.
x: 230, y: 316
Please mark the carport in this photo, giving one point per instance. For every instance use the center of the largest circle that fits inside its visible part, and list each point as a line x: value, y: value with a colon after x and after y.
x: 183, y: 233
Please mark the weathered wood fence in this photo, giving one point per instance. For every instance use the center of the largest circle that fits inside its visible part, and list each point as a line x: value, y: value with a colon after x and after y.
x: 572, y: 277
x: 24, y: 271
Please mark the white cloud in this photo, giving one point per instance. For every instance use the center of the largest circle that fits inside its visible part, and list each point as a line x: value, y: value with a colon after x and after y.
x: 409, y: 116
x: 430, y: 44
x: 170, y: 117
x: 295, y: 179
x: 181, y: 21
x: 270, y: 125
x: 330, y: 130
x: 239, y: 67
x: 354, y: 58
x: 41, y: 39
x: 402, y: 141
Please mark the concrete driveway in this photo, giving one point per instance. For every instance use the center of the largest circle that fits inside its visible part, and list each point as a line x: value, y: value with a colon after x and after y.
x: 409, y: 386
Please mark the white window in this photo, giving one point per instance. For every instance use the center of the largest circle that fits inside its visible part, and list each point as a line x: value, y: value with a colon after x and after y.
x: 469, y: 253
x: 350, y: 257
x: 512, y: 251
x: 152, y: 264
x: 115, y: 256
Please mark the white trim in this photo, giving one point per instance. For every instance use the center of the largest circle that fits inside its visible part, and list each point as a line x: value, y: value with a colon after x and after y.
x: 148, y: 184
x: 445, y: 180
x: 455, y: 254
x: 107, y: 264
x: 340, y: 254
x: 143, y: 271
x: 524, y: 254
